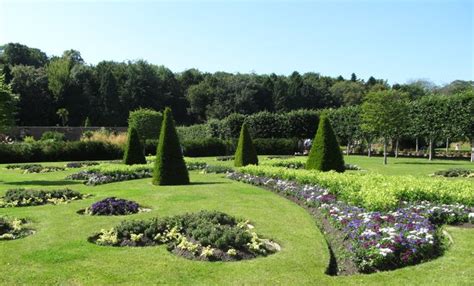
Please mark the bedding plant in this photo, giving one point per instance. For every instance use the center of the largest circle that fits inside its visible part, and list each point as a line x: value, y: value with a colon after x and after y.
x: 113, y: 206
x: 13, y: 228
x: 27, y: 197
x: 375, y: 240
x: 205, y: 235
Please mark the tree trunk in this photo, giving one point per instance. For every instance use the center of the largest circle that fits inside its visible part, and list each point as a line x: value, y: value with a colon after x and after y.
x: 348, y: 147
x: 472, y: 150
x: 447, y: 146
x: 416, y: 146
x: 396, y: 148
x: 385, y: 151
x: 369, y: 148
x: 430, y: 150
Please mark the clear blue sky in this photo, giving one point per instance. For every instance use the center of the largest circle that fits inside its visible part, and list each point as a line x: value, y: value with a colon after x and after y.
x: 394, y: 40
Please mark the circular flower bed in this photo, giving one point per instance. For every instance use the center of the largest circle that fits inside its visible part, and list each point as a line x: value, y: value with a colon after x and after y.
x: 206, y: 235
x: 24, y: 197
x: 113, y: 206
x: 12, y: 228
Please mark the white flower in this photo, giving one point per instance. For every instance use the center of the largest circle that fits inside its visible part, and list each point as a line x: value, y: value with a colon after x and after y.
x: 385, y: 251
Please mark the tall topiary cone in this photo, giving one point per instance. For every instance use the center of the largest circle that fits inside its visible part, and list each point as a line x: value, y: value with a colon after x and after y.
x: 245, y: 153
x: 325, y: 154
x: 170, y: 168
x: 134, y: 150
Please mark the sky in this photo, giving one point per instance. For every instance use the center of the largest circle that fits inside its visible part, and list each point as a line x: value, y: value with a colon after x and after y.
x: 399, y: 41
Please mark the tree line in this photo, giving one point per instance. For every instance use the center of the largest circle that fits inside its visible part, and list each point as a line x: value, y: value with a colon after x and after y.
x: 64, y: 90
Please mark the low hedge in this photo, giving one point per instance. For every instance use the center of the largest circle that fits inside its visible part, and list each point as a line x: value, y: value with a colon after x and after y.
x: 48, y: 151
x: 217, y: 147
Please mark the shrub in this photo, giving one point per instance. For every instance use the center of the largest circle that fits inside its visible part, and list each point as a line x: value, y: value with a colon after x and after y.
x: 267, y: 125
x: 206, y: 235
x: 53, y: 136
x: 48, y: 151
x: 23, y: 197
x: 147, y: 122
x: 245, y: 153
x: 113, y: 206
x: 231, y: 125
x: 275, y: 146
x: 192, y: 132
x: 204, y: 147
x: 13, y: 228
x: 134, y: 150
x: 325, y: 154
x: 170, y: 168
x: 300, y: 123
x: 454, y: 172
x: 106, y: 136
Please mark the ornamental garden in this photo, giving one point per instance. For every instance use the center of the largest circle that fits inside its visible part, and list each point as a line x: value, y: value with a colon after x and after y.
x: 267, y: 198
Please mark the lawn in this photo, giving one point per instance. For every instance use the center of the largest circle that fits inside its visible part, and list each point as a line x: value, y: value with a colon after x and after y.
x: 59, y: 253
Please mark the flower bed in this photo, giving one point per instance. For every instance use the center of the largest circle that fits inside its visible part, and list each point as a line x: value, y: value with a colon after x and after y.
x: 109, y: 173
x: 455, y: 172
x: 35, y: 168
x: 75, y: 165
x: 23, y: 197
x: 376, y: 240
x: 206, y: 235
x: 298, y: 164
x: 113, y: 206
x: 374, y: 191
x: 13, y: 228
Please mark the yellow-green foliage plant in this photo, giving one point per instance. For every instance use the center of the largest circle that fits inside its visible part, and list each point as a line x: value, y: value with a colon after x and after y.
x: 245, y: 153
x: 170, y: 168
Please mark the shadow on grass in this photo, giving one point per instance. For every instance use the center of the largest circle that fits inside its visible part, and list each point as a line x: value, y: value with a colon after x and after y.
x: 44, y: 183
x: 208, y: 183
x: 428, y: 163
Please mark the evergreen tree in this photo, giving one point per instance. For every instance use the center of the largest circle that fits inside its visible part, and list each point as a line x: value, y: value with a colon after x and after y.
x: 134, y: 150
x: 245, y: 153
x: 325, y: 154
x: 170, y: 168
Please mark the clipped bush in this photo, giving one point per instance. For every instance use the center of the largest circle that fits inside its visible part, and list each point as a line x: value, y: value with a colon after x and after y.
x: 170, y: 168
x: 204, y: 147
x: 275, y: 146
x: 267, y: 125
x: 147, y: 122
x: 325, y: 154
x: 245, y: 153
x: 134, y: 150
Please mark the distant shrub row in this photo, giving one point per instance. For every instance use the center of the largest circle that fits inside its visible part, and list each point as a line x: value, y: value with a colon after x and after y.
x: 294, y: 124
x: 218, y: 147
x: 49, y: 151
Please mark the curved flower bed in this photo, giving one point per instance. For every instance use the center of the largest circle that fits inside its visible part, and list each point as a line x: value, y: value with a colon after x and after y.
x: 13, y: 228
x: 34, y: 168
x: 375, y: 240
x: 24, y: 197
x: 206, y: 235
x: 113, y: 206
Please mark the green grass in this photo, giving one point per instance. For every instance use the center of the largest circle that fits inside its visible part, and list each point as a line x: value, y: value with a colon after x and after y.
x: 60, y: 254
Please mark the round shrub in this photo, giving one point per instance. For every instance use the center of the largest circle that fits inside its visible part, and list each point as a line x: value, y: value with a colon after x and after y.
x: 113, y: 206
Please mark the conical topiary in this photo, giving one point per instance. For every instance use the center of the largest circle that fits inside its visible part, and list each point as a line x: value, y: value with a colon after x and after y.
x: 245, y: 153
x: 170, y: 168
x: 325, y: 154
x: 134, y: 149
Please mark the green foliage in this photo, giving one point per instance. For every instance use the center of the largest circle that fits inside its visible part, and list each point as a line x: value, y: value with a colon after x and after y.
x: 53, y: 136
x: 267, y: 125
x: 170, y: 168
x: 204, y: 147
x: 193, y: 132
x: 301, y: 123
x: 245, y: 153
x: 275, y: 146
x: 374, y: 191
x: 134, y: 149
x: 147, y: 122
x: 345, y: 122
x: 325, y: 154
x: 7, y: 105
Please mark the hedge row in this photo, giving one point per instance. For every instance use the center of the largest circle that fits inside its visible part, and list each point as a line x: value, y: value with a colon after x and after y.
x: 294, y: 124
x: 48, y: 151
x: 217, y: 147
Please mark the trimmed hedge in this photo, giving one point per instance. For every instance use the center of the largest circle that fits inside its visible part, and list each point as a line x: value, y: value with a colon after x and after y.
x: 245, y: 153
x: 325, y: 154
x: 275, y: 146
x: 170, y: 168
x: 134, y: 150
x: 147, y: 122
x: 48, y: 151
